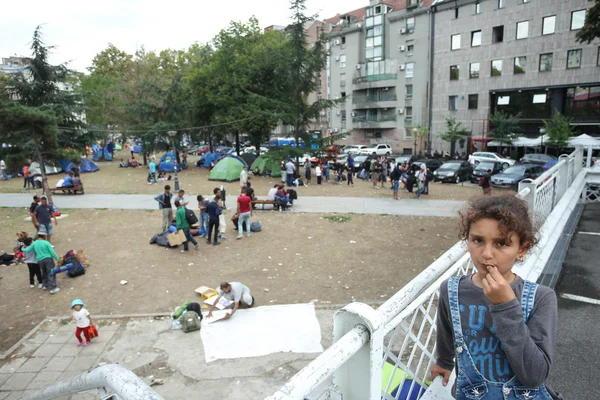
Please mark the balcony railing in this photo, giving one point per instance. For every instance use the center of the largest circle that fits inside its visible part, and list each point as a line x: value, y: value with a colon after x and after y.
x: 374, y: 98
x: 374, y: 118
x: 374, y: 78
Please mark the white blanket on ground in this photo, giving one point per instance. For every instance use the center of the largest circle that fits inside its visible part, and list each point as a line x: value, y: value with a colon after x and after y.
x: 263, y: 330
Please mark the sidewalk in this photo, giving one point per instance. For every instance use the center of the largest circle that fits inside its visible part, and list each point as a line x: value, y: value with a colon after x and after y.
x: 148, y: 347
x: 308, y: 204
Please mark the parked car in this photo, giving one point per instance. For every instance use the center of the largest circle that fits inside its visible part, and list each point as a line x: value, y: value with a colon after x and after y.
x: 540, y: 159
x: 480, y: 156
x: 510, y: 177
x: 432, y: 164
x: 453, y: 171
x: 482, y: 168
x: 354, y: 148
x: 378, y: 149
x: 359, y: 162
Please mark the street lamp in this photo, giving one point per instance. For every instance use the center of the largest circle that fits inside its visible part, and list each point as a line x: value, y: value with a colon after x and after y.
x: 542, y: 133
x: 172, y: 135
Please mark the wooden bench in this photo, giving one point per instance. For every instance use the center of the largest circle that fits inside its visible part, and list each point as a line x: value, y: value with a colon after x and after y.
x: 274, y: 203
x: 68, y: 190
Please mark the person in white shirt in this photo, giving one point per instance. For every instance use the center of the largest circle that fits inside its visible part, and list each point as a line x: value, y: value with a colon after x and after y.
x: 83, y: 319
x: 236, y: 292
x: 319, y: 173
x: 3, y: 169
x: 421, y: 177
x: 243, y: 178
x: 272, y: 191
x: 290, y: 168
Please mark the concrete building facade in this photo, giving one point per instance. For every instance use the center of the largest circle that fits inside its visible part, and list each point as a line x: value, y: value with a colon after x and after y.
x: 516, y: 56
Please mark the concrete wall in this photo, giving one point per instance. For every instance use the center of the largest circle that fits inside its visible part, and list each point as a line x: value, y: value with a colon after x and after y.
x: 535, y: 44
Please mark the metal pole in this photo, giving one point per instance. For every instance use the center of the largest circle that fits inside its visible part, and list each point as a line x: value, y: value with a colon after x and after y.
x: 176, y: 166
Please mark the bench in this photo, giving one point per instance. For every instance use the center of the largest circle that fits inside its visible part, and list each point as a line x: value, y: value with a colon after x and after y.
x: 68, y: 190
x: 275, y: 204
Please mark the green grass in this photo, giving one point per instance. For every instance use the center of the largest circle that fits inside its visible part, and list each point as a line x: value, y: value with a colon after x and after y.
x: 340, y: 219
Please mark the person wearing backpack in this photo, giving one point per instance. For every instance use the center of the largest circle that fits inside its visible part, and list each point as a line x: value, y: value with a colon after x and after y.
x: 182, y: 223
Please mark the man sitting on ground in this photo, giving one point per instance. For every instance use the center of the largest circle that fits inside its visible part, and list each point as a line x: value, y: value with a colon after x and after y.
x: 236, y: 292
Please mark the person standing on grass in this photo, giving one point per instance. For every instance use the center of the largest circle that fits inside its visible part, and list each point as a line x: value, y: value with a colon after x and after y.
x: 83, y: 319
x: 152, y: 167
x: 42, y: 216
x: 164, y: 204
x: 307, y: 171
x: 383, y: 175
x: 290, y: 168
x: 486, y: 184
x: 32, y: 207
x: 374, y: 172
x: 395, y: 177
x: 243, y: 178
x: 45, y: 255
x: 214, y: 211
x: 421, y: 177
x: 26, y: 176
x: 326, y: 170
x: 202, y: 203
x: 350, y: 174
x: 3, y: 169
x: 244, y: 211
x: 32, y: 264
x: 319, y: 173
x: 183, y: 224
x: 283, y: 171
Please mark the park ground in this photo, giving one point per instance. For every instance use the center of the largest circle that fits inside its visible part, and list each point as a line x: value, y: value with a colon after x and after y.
x: 297, y: 258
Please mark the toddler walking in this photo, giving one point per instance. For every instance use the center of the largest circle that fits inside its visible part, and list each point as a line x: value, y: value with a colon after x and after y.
x: 83, y: 319
x: 32, y: 264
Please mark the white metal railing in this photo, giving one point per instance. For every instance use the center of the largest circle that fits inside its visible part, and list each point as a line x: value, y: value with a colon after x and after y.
x: 399, y: 337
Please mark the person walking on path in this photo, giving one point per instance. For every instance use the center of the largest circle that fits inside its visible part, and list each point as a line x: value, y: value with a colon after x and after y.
x: 42, y: 216
x: 243, y: 178
x: 214, y: 211
x: 164, y: 204
x: 83, y: 319
x: 236, y: 292
x: 244, y: 211
x: 32, y: 264
x: 45, y: 255
x: 290, y: 168
x: 183, y: 224
x: 307, y: 171
x: 485, y: 183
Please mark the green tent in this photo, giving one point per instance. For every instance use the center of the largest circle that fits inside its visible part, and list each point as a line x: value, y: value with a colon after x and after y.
x: 262, y: 163
x: 227, y: 169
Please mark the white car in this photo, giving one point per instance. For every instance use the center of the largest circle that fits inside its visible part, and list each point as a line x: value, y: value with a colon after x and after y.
x: 480, y: 156
x: 354, y: 148
x: 379, y: 149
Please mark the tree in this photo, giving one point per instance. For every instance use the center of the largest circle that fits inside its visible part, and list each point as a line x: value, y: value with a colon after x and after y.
x: 591, y: 27
x: 454, y: 132
x: 48, y: 115
x: 559, y: 130
x: 421, y: 135
x: 504, y: 127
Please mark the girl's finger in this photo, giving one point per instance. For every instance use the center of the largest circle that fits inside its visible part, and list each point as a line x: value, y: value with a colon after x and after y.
x: 493, y: 271
x: 485, y: 284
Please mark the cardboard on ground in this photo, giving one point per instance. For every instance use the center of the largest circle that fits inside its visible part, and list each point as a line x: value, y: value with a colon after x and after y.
x: 206, y: 292
x: 222, y: 304
x: 216, y: 316
x: 175, y: 239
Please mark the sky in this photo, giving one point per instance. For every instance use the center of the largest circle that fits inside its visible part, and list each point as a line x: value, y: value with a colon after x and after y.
x: 81, y: 29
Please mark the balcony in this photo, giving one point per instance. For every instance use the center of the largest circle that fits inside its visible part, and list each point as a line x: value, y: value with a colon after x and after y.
x: 374, y: 121
x: 382, y: 100
x: 374, y: 81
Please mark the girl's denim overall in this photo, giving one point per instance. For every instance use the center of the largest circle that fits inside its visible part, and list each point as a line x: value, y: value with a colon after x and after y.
x: 470, y: 384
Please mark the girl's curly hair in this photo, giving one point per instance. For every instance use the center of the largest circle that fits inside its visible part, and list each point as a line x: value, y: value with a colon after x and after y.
x: 511, y: 213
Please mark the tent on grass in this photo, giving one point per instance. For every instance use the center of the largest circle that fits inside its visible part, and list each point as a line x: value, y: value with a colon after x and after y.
x: 85, y: 165
x: 50, y: 169
x: 262, y: 163
x: 228, y: 169
x: 102, y: 155
x: 137, y: 149
x: 118, y: 146
x: 248, y: 158
x: 210, y: 157
x: 168, y: 163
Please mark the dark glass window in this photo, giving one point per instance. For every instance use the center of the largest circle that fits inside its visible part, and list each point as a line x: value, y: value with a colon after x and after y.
x: 473, y: 101
x: 454, y: 72
x: 498, y: 34
x: 530, y: 103
x: 583, y: 103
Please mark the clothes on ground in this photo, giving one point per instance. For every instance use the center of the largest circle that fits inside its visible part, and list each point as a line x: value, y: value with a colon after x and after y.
x: 182, y: 222
x: 43, y: 214
x: 81, y: 318
x: 501, y: 344
x: 238, y: 292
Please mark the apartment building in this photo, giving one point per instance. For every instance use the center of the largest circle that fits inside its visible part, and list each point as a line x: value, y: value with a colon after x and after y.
x: 379, y: 65
x: 13, y: 65
x: 516, y: 56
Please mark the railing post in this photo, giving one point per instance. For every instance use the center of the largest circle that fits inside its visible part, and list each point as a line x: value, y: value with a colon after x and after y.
x: 588, y: 161
x: 578, y: 161
x: 562, y: 179
x: 530, y: 197
x: 360, y: 377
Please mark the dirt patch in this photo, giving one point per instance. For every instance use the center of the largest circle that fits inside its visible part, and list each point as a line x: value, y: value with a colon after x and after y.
x: 111, y: 179
x: 297, y: 257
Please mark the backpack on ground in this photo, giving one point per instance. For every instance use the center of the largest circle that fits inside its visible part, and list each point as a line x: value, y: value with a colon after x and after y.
x: 292, y: 194
x: 190, y: 321
x: 78, y: 268
x: 195, y: 307
x: 190, y: 216
x: 255, y: 226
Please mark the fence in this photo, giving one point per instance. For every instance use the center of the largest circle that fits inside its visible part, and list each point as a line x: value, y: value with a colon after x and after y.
x: 387, y: 353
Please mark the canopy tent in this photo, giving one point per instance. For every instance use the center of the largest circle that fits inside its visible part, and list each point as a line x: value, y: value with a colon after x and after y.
x: 168, y: 163
x: 262, y: 164
x: 210, y: 157
x: 227, y: 169
x: 248, y: 158
x: 584, y: 141
x: 521, y: 142
x: 50, y: 169
x: 85, y: 165
x: 102, y: 155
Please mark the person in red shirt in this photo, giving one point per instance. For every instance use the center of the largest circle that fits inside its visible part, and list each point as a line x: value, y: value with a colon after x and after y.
x: 244, y: 210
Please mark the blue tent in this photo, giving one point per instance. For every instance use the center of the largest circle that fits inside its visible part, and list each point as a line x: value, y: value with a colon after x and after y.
x: 95, y: 148
x: 168, y: 163
x: 137, y: 149
x: 210, y: 157
x: 86, y: 165
x: 102, y: 155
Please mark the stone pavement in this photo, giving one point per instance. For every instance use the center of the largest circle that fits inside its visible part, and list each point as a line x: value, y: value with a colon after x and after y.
x: 148, y: 347
x: 309, y: 204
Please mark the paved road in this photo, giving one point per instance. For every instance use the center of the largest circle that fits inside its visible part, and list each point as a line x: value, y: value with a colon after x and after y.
x: 309, y: 204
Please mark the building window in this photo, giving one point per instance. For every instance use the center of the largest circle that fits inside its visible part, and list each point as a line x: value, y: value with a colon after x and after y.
x: 498, y: 34
x: 410, y: 48
x: 598, y: 60
x: 410, y: 70
x: 520, y: 64
x: 473, y: 101
x: 496, y: 68
x: 409, y: 90
x: 410, y: 24
x: 456, y: 12
x: 549, y: 25
x: 474, y: 70
x: 409, y: 111
x: 343, y: 114
x: 573, y: 59
x: 577, y: 19
x: 455, y: 42
x: 454, y: 72
x: 475, y: 38
x: 408, y: 133
x: 546, y: 62
x: 452, y: 100
x: 343, y: 61
x: 342, y: 79
x: 477, y: 7
x: 522, y: 29
x: 343, y: 40
x: 539, y: 98
x: 500, y: 3
x: 503, y: 100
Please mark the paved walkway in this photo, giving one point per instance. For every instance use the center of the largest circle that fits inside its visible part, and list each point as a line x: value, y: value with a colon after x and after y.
x: 149, y: 348
x: 309, y: 204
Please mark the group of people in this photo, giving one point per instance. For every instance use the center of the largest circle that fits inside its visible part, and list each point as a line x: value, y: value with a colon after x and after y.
x: 40, y: 257
x: 323, y: 170
x: 71, y: 180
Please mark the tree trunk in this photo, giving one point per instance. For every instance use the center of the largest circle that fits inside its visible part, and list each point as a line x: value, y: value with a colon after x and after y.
x: 237, y: 141
x: 40, y: 158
